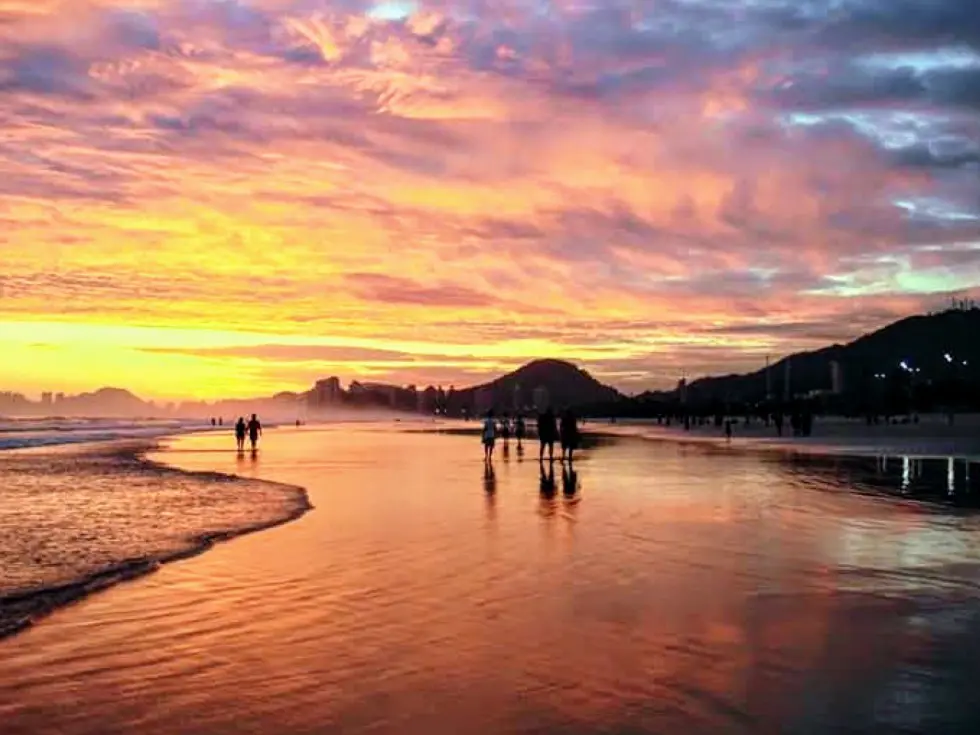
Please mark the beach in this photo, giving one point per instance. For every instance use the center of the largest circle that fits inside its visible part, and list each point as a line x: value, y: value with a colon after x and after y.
x: 665, y: 587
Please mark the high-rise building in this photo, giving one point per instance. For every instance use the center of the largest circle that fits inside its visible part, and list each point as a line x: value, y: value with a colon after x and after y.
x: 541, y: 398
x: 47, y: 398
x: 326, y: 392
x: 59, y: 398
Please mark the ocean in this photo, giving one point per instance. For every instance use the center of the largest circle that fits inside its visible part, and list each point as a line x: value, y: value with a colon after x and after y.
x: 20, y: 433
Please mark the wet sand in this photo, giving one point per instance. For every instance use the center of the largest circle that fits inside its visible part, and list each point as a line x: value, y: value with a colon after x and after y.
x: 675, y: 589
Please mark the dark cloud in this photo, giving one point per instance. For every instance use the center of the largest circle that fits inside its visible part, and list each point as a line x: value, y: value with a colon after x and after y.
x: 45, y: 70
x: 908, y: 22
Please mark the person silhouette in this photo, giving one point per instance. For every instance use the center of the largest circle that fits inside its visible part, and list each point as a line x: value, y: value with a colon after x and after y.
x: 547, y: 433
x: 489, y: 436
x: 254, y: 431
x: 240, y: 433
x: 520, y: 430
x: 569, y: 434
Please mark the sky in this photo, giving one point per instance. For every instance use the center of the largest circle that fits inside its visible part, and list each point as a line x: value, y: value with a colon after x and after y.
x: 212, y: 198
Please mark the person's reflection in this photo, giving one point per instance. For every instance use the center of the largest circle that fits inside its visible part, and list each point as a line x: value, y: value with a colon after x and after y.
x: 490, y: 492
x: 547, y: 480
x: 254, y: 456
x: 570, y: 492
x: 520, y: 453
x: 489, y: 481
x: 569, y: 482
x: 506, y: 449
x: 547, y: 489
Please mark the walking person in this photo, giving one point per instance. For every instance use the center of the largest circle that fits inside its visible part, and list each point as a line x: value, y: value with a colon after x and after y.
x: 254, y: 431
x: 547, y: 433
x: 569, y: 434
x: 489, y: 437
x: 520, y: 430
x: 240, y: 433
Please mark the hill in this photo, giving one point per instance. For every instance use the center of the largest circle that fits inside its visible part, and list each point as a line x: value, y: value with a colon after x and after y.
x: 921, y: 342
x: 106, y: 402
x: 555, y: 382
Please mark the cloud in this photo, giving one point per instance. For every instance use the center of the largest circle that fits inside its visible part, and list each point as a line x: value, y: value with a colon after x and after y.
x: 377, y: 287
x: 618, y: 184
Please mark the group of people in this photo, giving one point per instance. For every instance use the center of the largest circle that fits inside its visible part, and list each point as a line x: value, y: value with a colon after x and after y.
x: 252, y: 428
x: 549, y: 429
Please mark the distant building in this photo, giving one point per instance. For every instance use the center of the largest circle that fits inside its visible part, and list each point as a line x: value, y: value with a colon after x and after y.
x: 326, y: 392
x: 47, y: 398
x: 427, y: 400
x: 542, y: 399
x: 59, y: 398
x: 836, y: 378
x: 381, y: 390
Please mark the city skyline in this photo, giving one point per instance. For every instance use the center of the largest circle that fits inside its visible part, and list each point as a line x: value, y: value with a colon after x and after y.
x: 203, y: 199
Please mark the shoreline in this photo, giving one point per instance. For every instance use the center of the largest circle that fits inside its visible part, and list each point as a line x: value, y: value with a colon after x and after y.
x: 833, y: 439
x: 915, y: 442
x: 40, y: 602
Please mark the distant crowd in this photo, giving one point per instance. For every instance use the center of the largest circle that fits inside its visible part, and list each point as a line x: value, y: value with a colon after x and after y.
x: 550, y: 431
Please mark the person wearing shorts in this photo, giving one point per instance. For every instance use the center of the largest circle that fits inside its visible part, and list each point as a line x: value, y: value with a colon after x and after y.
x: 489, y: 436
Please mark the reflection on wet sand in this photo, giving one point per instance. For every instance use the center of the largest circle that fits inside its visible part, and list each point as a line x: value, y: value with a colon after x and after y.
x: 945, y: 480
x: 693, y: 590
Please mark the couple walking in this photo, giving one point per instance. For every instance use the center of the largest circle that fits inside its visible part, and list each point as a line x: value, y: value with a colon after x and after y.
x: 565, y: 432
x: 253, y: 428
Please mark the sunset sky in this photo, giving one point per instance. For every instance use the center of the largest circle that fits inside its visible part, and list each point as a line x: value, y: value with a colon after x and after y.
x: 207, y: 198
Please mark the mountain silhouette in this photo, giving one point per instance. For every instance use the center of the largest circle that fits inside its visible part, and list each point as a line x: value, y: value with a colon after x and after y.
x: 563, y: 384
x: 921, y: 342
x: 106, y: 402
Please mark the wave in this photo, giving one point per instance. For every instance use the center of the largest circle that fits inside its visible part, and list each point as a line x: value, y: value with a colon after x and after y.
x: 20, y: 609
x: 55, y: 431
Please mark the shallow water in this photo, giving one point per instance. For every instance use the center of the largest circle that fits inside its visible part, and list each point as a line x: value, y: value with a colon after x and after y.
x: 673, y: 589
x: 80, y: 516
